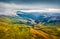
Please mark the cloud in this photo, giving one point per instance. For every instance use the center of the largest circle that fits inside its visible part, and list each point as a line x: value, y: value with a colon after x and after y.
x: 7, y: 9
x: 12, y: 8
x: 44, y: 10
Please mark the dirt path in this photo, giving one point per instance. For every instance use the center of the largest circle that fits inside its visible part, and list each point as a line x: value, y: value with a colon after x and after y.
x: 41, y: 33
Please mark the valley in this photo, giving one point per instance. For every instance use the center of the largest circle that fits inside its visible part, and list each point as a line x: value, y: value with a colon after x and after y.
x: 23, y: 27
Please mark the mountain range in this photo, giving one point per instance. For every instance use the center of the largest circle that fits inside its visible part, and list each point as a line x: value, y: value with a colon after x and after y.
x: 32, y: 18
x: 38, y: 17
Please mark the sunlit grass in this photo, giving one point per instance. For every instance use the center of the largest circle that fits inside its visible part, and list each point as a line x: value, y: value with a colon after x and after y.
x: 9, y: 30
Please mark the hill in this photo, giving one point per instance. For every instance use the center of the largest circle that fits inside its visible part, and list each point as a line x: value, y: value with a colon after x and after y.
x: 16, y: 27
x: 38, y: 17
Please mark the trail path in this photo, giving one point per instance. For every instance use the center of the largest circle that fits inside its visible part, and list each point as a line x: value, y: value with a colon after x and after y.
x: 43, y: 34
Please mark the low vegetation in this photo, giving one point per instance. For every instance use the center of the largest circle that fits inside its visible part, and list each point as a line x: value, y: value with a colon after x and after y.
x: 9, y: 30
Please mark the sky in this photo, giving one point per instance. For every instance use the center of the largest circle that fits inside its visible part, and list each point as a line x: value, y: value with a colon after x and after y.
x: 9, y: 7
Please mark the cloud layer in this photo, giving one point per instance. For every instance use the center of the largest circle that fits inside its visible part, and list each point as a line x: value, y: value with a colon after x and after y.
x: 11, y: 8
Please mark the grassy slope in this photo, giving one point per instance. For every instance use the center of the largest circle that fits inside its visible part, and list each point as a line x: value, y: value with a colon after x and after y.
x: 8, y: 30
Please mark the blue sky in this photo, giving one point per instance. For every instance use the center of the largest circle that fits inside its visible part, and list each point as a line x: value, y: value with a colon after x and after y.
x: 11, y: 6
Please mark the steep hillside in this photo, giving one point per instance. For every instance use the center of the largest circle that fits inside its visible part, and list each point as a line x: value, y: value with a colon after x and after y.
x: 15, y: 27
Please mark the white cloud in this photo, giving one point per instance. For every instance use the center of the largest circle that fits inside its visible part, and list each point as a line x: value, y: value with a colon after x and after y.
x: 43, y: 10
x: 53, y: 10
x: 7, y: 9
x: 11, y: 8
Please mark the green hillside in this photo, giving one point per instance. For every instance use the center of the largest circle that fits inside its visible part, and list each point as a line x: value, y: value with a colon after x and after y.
x: 12, y: 27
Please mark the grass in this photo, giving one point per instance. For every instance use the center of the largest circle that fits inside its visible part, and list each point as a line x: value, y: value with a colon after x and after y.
x: 9, y: 30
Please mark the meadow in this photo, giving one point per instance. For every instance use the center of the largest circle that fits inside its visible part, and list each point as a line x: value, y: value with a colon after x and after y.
x: 12, y: 30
